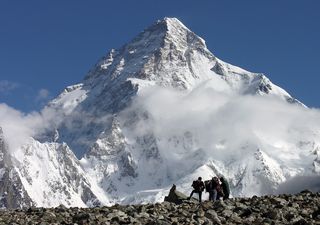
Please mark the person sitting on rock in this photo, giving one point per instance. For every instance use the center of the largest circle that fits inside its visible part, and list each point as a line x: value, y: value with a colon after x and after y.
x: 225, y: 188
x: 198, y: 187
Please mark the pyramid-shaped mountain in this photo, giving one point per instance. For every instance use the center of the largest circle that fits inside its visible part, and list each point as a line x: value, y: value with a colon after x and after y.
x: 123, y: 157
x: 166, y: 54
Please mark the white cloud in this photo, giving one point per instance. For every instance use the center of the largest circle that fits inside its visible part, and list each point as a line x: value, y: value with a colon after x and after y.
x: 43, y: 94
x: 225, y: 127
x: 18, y: 127
x: 7, y: 86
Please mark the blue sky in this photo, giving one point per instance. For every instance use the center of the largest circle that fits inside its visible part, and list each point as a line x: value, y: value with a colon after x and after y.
x: 48, y: 45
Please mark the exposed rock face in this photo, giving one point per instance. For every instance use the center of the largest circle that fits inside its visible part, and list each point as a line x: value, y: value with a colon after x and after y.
x: 303, y: 208
x: 109, y: 160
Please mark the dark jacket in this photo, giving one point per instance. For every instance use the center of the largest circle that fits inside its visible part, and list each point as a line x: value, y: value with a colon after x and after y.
x: 214, y: 184
x: 225, y: 186
x: 198, y: 185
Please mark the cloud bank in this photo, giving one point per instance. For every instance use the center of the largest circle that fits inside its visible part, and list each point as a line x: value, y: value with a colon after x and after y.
x: 206, y: 124
x: 217, y: 118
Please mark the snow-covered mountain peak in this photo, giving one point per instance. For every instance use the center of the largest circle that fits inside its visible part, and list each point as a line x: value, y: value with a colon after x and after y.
x: 163, y: 54
x: 168, y: 54
x: 178, y: 33
x: 173, y: 22
x: 133, y: 141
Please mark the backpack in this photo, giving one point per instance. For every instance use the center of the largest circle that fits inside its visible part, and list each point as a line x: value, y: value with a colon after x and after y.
x: 195, y: 184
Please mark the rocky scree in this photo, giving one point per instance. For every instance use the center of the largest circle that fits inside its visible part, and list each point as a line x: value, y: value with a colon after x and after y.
x: 303, y: 208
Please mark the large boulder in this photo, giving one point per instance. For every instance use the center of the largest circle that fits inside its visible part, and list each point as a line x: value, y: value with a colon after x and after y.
x: 175, y: 196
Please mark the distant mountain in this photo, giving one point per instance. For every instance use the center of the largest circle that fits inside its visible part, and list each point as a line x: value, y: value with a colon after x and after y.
x: 42, y: 174
x: 121, y: 163
x: 12, y: 192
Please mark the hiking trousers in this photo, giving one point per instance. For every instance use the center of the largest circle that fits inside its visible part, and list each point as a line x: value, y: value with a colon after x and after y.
x: 195, y: 191
x: 213, y: 194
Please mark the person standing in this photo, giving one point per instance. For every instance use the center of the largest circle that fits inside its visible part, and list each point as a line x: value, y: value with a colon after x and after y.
x: 215, y: 189
x: 198, y: 187
x: 225, y: 188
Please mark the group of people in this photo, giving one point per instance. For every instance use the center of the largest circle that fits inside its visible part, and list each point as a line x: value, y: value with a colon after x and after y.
x: 217, y: 188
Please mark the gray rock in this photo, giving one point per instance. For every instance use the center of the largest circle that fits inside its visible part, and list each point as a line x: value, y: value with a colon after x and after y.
x: 175, y: 196
x: 213, y: 216
x: 236, y: 219
x: 278, y: 201
x: 159, y: 222
x: 226, y: 213
x: 258, y: 210
x: 80, y: 217
x: 272, y: 214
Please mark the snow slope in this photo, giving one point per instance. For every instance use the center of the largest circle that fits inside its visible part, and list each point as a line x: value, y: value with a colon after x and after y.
x: 52, y: 175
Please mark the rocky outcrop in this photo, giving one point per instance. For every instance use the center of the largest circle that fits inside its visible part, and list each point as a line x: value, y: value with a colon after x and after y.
x: 303, y: 208
x: 175, y: 196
